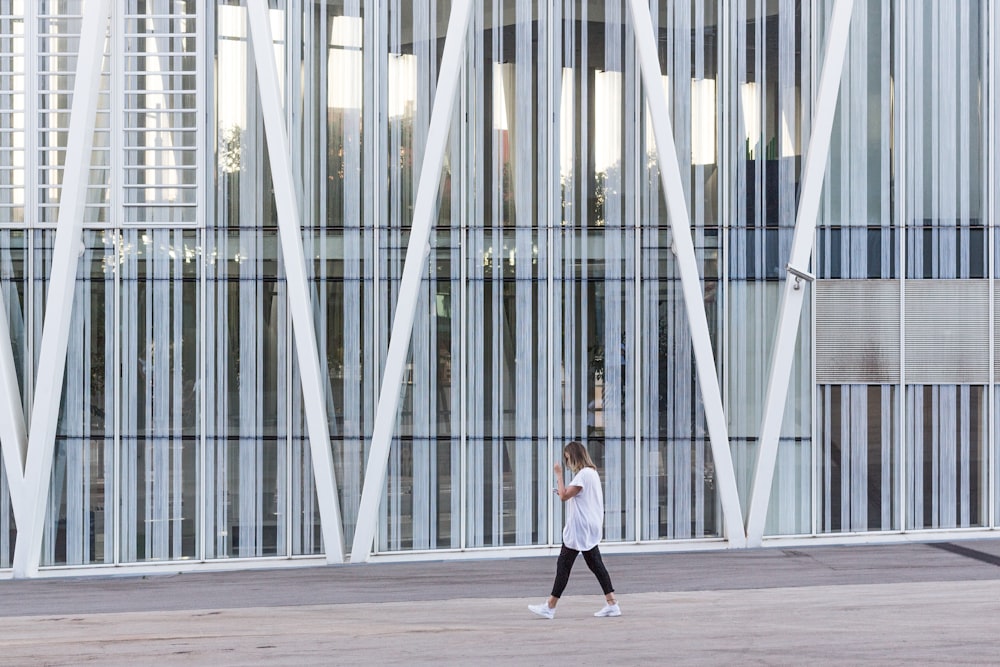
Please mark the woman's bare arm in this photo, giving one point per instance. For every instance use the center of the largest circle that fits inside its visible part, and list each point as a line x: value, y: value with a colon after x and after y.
x: 564, y: 492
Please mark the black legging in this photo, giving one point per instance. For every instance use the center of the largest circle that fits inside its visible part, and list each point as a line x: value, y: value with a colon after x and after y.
x: 564, y: 566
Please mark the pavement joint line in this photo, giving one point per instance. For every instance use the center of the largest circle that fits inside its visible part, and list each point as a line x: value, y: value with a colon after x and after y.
x: 967, y: 552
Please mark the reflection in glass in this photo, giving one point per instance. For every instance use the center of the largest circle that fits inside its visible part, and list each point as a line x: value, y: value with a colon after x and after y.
x: 679, y: 487
x: 944, y: 119
x: 80, y: 508
x: 996, y: 459
x: 247, y: 370
x: 41, y: 268
x: 856, y: 238
x: 246, y: 384
x: 596, y: 364
x: 14, y: 310
x: 843, y: 252
x: 507, y: 301
x: 859, y: 457
x: 507, y: 404
x: 678, y: 474
x: 160, y: 394
x: 14, y: 300
x: 421, y: 506
x: 764, y: 150
x: 594, y: 254
x: 342, y: 292
x: 752, y: 313
x: 946, y: 456
x: 338, y: 207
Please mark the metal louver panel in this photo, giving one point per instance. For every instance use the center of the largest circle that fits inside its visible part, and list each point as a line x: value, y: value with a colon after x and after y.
x: 160, y: 137
x: 12, y: 134
x: 947, y: 331
x: 857, y: 331
x: 57, y: 43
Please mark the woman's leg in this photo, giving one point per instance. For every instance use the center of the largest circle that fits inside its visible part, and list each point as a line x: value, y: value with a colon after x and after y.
x: 564, y: 566
x: 596, y: 565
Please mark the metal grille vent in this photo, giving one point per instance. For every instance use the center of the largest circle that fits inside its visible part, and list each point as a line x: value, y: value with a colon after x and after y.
x: 857, y: 331
x: 947, y: 331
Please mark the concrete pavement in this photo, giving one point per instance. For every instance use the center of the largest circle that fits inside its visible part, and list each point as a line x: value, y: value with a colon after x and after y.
x: 892, y: 604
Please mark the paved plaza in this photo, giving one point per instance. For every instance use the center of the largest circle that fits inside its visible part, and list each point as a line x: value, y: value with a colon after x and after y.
x: 913, y: 603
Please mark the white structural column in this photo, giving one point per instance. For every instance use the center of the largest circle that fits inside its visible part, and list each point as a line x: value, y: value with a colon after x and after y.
x: 417, y: 251
x: 62, y: 284
x: 13, y: 433
x: 791, y: 303
x: 687, y: 265
x: 299, y: 302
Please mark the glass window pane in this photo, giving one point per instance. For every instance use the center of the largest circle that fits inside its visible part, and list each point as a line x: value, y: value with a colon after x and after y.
x: 858, y: 458
x: 946, y: 469
x: 246, y: 387
x: 80, y: 509
x: 161, y: 395
x: 343, y: 295
x: 14, y: 301
x: 943, y: 119
x: 422, y: 503
x: 14, y: 311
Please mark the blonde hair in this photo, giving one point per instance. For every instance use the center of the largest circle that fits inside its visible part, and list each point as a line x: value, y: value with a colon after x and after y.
x: 577, y: 457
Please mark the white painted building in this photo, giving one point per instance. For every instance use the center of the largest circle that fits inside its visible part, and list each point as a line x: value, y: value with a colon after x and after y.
x: 336, y: 279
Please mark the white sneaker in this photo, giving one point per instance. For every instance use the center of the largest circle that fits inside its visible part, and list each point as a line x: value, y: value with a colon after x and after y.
x: 610, y: 610
x: 543, y: 610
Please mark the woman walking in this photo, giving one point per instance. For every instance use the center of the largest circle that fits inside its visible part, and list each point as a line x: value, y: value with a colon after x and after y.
x: 584, y: 522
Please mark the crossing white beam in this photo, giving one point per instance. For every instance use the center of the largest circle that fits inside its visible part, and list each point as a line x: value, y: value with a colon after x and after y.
x: 687, y: 265
x: 13, y: 433
x: 417, y: 251
x: 299, y: 302
x: 62, y: 284
x: 797, y: 267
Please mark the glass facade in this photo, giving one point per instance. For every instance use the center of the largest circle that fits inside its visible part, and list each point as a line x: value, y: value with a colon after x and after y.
x: 551, y: 305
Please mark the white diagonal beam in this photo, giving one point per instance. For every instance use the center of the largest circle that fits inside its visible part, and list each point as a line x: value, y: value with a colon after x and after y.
x: 417, y: 251
x: 687, y: 265
x: 299, y: 303
x: 62, y: 284
x: 13, y: 434
x: 791, y: 303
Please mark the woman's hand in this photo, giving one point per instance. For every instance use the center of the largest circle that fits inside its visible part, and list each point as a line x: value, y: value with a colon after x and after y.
x: 564, y: 492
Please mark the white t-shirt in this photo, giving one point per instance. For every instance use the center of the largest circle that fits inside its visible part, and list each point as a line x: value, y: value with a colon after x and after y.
x: 585, y: 512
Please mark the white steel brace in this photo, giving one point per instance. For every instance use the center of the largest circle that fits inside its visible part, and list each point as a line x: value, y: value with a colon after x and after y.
x: 13, y: 433
x: 680, y: 226
x: 62, y: 285
x: 802, y: 242
x: 299, y: 302
x: 417, y: 251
